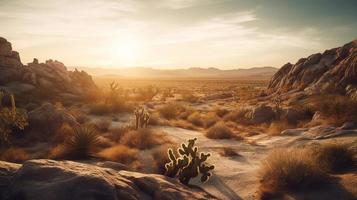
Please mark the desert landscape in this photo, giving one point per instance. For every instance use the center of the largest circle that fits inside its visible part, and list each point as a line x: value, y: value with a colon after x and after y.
x: 142, y: 133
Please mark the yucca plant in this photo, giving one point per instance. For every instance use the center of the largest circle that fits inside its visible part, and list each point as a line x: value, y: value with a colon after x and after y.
x: 82, y: 144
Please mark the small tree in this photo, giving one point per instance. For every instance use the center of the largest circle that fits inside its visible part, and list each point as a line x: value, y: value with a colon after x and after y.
x: 188, y: 164
x: 10, y: 117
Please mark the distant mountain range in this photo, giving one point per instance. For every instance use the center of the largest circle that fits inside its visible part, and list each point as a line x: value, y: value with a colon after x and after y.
x: 143, y: 72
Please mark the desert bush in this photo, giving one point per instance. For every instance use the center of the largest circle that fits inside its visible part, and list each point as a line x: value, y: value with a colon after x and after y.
x: 221, y: 112
x: 196, y: 119
x: 103, y: 124
x: 189, y: 97
x: 334, y: 156
x: 228, y: 152
x: 119, y: 153
x: 289, y: 170
x: 210, y: 119
x: 160, y: 157
x: 171, y: 110
x: 237, y: 116
x: 99, y: 109
x: 14, y: 154
x: 276, y: 127
x: 117, y: 133
x: 188, y: 164
x: 63, y: 133
x: 143, y: 139
x: 82, y: 144
x: 220, y: 131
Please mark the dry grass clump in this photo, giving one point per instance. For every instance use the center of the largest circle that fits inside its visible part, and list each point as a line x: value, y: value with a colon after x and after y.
x: 276, y: 127
x: 144, y: 138
x: 196, y: 119
x: 103, y: 124
x: 189, y: 97
x: 228, y: 152
x: 160, y: 157
x: 238, y: 116
x: 115, y: 134
x: 171, y: 110
x: 103, y: 108
x: 63, y: 133
x: 14, y: 154
x: 220, y: 131
x: 334, y: 157
x: 119, y: 153
x: 289, y: 170
x: 221, y: 112
x: 82, y: 144
x: 210, y: 119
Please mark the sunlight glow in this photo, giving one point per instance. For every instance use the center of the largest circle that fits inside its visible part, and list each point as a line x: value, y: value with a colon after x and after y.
x: 126, y: 51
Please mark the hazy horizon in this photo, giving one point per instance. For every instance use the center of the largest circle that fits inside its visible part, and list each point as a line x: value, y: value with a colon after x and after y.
x: 171, y: 34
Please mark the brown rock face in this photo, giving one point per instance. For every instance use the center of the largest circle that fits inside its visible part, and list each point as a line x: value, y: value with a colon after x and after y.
x: 49, y: 79
x: 66, y: 180
x: 333, y: 70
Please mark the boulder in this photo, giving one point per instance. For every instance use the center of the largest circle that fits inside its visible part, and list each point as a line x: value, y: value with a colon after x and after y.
x: 5, y: 47
x: 48, y: 118
x: 66, y: 180
x: 261, y: 114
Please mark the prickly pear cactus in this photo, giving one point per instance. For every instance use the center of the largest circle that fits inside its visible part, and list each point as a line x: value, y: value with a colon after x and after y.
x: 188, y: 164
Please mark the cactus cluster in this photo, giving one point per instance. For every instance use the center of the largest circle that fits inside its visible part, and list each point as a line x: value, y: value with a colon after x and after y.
x: 188, y: 164
x: 142, y: 118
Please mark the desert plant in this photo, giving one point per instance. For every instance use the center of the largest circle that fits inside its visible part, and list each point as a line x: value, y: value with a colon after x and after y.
x: 119, y: 153
x: 220, y: 131
x: 289, y: 170
x: 171, y: 110
x: 14, y: 154
x: 143, y: 138
x: 142, y: 118
x: 148, y: 93
x: 10, y: 118
x: 188, y: 164
x: 196, y: 119
x: 334, y: 156
x: 82, y: 144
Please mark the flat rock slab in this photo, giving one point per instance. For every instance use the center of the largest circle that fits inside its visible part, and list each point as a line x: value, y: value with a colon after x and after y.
x: 66, y: 180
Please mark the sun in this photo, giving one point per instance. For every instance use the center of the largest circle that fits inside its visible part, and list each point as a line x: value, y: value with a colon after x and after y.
x: 126, y: 51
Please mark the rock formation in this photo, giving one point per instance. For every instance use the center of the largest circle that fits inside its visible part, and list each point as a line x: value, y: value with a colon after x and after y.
x: 66, y: 180
x: 335, y: 70
x: 51, y: 79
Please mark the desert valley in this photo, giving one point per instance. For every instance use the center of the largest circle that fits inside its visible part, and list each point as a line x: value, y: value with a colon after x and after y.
x: 142, y: 100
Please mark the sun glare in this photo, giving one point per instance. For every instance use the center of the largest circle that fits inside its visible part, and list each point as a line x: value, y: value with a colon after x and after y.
x: 126, y: 51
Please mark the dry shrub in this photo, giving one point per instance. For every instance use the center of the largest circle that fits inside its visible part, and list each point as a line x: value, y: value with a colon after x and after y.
x: 99, y: 109
x: 103, y: 124
x: 340, y: 108
x: 14, y: 154
x: 237, y: 116
x: 154, y: 120
x: 160, y: 157
x: 276, y: 127
x: 220, y: 131
x: 143, y: 138
x: 221, y: 112
x: 334, y: 157
x: 196, y: 119
x: 119, y: 153
x: 171, y: 110
x: 63, y: 133
x: 210, y: 119
x: 104, y: 142
x: 115, y: 134
x: 189, y: 97
x: 58, y: 152
x: 228, y: 152
x: 289, y: 170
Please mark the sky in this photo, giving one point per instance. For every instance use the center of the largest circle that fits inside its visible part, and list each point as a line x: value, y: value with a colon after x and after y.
x: 176, y: 33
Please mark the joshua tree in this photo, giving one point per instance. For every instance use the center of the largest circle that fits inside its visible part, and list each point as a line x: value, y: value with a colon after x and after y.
x: 188, y: 164
x: 142, y: 118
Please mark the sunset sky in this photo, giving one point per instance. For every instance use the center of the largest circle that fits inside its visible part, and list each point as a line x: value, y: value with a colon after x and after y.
x: 176, y: 33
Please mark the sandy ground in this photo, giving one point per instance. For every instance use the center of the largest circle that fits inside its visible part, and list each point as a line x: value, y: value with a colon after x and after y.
x: 235, y: 177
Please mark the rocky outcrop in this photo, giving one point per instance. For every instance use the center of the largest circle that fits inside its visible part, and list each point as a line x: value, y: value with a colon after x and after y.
x: 49, y: 118
x: 46, y: 80
x: 66, y: 180
x: 332, y: 71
